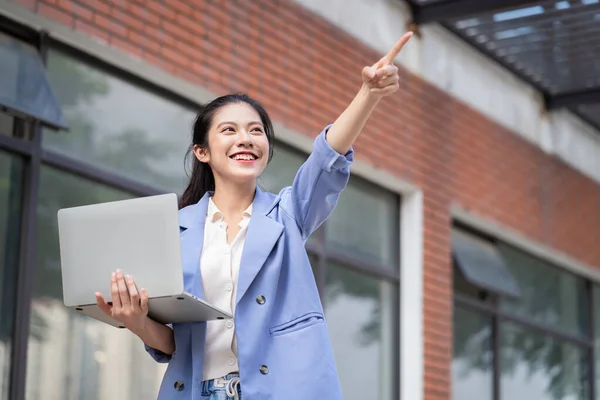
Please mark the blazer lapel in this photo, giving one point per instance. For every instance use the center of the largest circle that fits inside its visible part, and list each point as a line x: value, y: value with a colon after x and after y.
x: 191, y: 222
x: 263, y: 233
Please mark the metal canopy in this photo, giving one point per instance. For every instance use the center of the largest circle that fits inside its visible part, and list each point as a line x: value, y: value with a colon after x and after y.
x: 552, y: 45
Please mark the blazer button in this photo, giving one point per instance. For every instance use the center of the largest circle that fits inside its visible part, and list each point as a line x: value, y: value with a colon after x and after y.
x: 260, y: 299
x: 264, y: 369
x: 178, y: 385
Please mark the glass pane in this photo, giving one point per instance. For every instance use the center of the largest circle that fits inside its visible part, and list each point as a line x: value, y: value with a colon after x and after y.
x: 281, y: 172
x: 365, y: 223
x: 282, y: 169
x: 6, y: 124
x: 549, y: 295
x: 540, y: 367
x: 72, y: 356
x: 119, y: 126
x: 472, y: 360
x: 362, y: 317
x: 24, y: 87
x: 11, y: 173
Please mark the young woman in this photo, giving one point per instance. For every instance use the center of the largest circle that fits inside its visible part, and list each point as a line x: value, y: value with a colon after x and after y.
x: 243, y: 251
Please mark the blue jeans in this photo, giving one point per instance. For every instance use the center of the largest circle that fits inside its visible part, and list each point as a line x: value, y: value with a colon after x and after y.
x: 223, y: 388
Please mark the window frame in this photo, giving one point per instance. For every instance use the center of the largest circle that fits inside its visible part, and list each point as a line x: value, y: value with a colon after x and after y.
x: 491, y: 308
x: 26, y: 143
x: 15, y: 275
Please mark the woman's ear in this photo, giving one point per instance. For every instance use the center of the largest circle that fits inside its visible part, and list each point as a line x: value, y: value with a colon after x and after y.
x: 201, y: 153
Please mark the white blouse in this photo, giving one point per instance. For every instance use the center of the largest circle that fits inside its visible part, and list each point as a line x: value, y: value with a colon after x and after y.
x: 219, y: 268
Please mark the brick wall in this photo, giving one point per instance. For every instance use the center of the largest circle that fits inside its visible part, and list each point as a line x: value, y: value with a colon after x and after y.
x: 306, y: 71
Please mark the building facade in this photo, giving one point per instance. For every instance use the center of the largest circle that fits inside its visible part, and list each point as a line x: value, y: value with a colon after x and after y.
x: 463, y: 257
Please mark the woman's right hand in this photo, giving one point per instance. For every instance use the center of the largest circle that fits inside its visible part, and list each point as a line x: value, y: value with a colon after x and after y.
x: 129, y: 306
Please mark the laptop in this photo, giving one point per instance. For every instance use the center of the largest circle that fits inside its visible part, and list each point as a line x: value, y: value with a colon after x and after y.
x: 138, y: 236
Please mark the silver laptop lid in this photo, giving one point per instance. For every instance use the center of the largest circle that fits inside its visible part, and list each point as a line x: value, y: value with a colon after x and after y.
x: 139, y: 236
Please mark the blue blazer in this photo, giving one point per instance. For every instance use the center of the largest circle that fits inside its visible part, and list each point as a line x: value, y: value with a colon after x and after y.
x: 284, y: 348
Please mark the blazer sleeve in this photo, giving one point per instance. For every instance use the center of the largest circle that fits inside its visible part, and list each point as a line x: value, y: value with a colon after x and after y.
x: 158, y: 355
x: 317, y: 186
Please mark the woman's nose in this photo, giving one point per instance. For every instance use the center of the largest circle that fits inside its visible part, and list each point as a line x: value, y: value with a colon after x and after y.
x: 244, y: 137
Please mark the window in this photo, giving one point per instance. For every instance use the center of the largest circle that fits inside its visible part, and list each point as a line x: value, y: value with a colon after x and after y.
x: 362, y: 317
x: 364, y: 205
x: 551, y: 297
x: 361, y: 290
x: 68, y: 353
x: 280, y: 172
x: 118, y: 126
x: 534, y: 346
x: 11, y: 171
x: 472, y: 365
x: 117, y: 130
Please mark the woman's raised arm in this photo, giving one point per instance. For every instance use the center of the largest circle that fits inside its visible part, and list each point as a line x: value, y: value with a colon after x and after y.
x: 320, y: 180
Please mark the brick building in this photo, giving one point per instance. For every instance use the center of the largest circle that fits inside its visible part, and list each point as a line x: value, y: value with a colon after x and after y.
x: 463, y: 257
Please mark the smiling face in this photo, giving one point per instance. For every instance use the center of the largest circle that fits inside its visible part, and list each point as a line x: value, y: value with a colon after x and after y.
x: 238, y: 147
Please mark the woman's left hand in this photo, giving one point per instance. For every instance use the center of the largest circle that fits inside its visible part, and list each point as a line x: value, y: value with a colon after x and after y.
x: 382, y: 77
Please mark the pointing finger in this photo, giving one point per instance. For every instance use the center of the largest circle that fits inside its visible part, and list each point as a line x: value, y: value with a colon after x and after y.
x: 391, y: 55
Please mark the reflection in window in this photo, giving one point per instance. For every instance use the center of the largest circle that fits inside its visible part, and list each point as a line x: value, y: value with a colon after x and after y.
x: 537, y: 360
x: 24, y: 87
x: 362, y: 320
x: 73, y: 356
x: 539, y: 367
x: 282, y: 169
x: 550, y: 296
x: 472, y: 356
x: 365, y: 223
x: 118, y: 126
x: 7, y: 123
x: 11, y: 171
x: 281, y: 172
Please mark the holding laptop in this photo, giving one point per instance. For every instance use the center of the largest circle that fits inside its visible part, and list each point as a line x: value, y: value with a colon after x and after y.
x: 138, y: 236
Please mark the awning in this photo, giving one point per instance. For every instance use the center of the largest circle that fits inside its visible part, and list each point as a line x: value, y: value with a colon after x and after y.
x: 481, y: 264
x: 552, y: 45
x: 24, y: 88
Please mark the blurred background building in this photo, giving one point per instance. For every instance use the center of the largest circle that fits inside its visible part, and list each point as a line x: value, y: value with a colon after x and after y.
x: 463, y: 260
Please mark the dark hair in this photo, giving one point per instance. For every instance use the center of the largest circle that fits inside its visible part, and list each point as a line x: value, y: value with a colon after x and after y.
x: 202, y: 179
